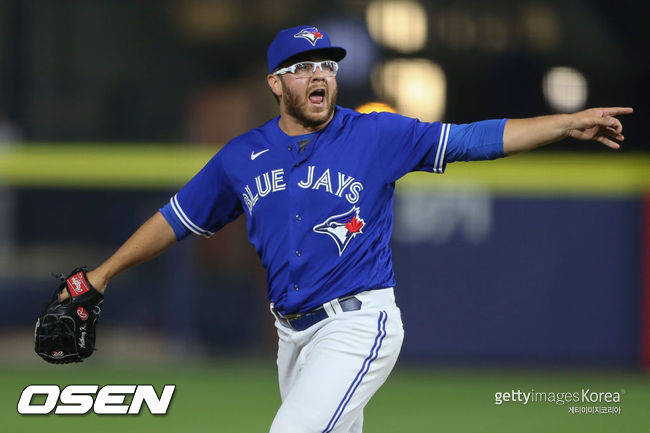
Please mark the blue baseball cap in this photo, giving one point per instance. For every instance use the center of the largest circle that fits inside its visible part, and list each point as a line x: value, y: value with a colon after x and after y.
x: 299, y: 40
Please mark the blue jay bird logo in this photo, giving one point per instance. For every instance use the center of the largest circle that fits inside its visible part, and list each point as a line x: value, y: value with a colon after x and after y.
x: 342, y: 228
x: 311, y: 34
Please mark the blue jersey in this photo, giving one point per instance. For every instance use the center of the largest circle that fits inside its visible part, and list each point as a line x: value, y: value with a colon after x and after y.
x: 319, y: 206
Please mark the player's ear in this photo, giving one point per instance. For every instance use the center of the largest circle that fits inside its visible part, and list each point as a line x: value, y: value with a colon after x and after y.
x: 274, y: 84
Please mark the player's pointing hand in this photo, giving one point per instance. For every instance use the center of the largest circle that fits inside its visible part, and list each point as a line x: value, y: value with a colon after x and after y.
x: 599, y: 124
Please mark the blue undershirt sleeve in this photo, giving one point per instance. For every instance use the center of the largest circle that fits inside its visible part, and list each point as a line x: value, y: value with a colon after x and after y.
x: 476, y: 141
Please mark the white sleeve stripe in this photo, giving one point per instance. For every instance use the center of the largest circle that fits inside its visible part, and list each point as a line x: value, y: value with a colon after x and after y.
x: 444, y: 149
x: 442, y: 134
x: 181, y: 216
x: 186, y: 221
x: 442, y: 146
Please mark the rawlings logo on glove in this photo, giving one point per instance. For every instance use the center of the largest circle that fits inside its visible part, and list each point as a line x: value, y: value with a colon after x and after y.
x: 65, y: 331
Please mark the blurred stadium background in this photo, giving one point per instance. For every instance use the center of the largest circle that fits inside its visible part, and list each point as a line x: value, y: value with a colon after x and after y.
x: 531, y: 272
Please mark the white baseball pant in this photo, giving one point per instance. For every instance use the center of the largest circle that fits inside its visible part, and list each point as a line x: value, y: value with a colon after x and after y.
x: 328, y: 372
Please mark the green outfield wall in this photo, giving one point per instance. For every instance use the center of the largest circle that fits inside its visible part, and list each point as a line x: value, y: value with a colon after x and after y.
x: 149, y: 165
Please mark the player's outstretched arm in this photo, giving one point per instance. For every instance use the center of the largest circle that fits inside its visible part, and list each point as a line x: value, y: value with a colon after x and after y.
x: 151, y: 239
x: 598, y: 124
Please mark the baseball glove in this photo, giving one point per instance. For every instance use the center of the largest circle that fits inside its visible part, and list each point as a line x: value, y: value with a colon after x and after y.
x: 65, y: 331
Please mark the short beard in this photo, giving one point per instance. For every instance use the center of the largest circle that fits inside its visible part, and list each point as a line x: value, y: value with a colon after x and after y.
x: 295, y: 110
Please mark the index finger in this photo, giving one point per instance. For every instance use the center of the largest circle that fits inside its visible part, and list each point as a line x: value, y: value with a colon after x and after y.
x: 615, y: 111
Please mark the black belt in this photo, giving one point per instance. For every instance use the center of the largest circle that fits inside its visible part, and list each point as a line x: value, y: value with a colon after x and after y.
x: 300, y: 322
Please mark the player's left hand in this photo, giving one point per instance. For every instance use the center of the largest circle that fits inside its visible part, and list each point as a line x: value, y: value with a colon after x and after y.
x: 599, y: 124
x: 65, y: 331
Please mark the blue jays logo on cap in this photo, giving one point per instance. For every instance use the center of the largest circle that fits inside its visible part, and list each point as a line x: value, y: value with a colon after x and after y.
x: 342, y: 228
x: 311, y: 34
x: 290, y: 43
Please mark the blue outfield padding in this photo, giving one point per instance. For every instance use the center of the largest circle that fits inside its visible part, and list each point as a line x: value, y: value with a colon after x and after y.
x: 539, y: 280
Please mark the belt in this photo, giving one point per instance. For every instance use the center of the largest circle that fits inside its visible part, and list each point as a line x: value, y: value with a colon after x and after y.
x: 300, y: 322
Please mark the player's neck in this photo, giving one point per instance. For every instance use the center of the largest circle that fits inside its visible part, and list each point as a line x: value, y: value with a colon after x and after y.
x: 292, y: 126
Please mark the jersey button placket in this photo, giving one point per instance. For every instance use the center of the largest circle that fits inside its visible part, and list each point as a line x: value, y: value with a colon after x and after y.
x: 292, y: 238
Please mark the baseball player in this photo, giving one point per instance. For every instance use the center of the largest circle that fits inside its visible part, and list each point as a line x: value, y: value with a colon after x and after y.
x: 316, y: 185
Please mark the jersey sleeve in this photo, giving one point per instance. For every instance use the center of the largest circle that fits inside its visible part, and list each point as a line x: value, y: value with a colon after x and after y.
x: 205, y: 204
x: 407, y: 144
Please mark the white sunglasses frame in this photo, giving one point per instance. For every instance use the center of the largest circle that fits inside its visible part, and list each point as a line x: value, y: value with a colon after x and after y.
x: 292, y: 69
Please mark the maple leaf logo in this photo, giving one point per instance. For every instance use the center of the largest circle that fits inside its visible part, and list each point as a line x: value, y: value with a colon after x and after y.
x: 354, y: 225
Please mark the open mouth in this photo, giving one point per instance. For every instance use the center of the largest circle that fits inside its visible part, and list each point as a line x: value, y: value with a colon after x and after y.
x: 317, y: 97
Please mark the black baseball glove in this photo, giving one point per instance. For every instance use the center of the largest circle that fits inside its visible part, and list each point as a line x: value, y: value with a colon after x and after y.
x: 65, y: 331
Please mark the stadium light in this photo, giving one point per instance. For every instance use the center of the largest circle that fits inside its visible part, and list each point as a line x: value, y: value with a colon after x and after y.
x: 565, y: 89
x: 399, y: 25
x: 417, y: 86
x: 378, y: 107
